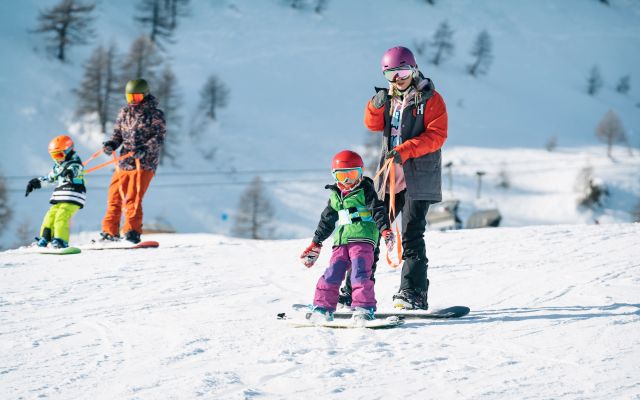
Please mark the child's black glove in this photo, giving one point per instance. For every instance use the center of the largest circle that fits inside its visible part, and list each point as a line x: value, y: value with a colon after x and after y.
x: 67, y: 173
x: 32, y: 185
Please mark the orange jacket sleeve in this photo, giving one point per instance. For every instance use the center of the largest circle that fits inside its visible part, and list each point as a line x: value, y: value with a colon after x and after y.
x: 432, y: 139
x: 374, y: 117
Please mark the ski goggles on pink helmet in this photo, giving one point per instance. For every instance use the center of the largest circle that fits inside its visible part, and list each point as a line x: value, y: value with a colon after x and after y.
x: 400, y: 73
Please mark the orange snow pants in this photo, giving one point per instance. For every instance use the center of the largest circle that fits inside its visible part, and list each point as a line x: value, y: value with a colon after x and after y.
x: 128, y: 182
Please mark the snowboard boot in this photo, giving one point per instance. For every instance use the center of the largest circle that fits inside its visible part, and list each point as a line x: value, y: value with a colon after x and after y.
x: 411, y: 299
x: 132, y: 236
x: 363, y: 314
x: 344, y: 298
x: 108, y: 237
x: 58, y: 243
x: 44, y: 240
x: 319, y: 314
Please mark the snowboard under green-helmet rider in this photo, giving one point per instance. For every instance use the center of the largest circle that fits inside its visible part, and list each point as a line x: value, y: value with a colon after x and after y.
x: 69, y: 195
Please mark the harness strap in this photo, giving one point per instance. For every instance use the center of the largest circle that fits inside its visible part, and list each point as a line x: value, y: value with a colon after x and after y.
x: 93, y: 156
x: 354, y: 214
x: 138, y: 179
x: 388, y: 170
x: 114, y: 161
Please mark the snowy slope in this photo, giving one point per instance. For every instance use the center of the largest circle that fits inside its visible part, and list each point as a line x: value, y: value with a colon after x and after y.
x: 299, y: 82
x: 555, y: 314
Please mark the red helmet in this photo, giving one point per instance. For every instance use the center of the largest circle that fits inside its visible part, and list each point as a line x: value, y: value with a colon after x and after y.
x: 346, y: 159
x: 60, y: 146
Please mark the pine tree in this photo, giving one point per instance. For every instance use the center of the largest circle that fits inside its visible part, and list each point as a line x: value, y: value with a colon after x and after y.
x: 610, y: 130
x: 442, y: 43
x: 169, y: 100
x: 142, y: 61
x: 594, y: 81
x: 5, y: 209
x: 69, y: 22
x: 153, y: 14
x: 481, y: 51
x: 213, y: 95
x: 175, y: 9
x: 255, y: 213
x: 624, y: 84
x: 99, y: 88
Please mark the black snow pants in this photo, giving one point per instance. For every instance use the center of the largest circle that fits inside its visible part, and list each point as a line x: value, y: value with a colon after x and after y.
x: 414, y: 254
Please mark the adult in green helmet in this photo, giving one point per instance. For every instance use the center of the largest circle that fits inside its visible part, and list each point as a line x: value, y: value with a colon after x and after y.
x: 136, y: 91
x: 140, y: 129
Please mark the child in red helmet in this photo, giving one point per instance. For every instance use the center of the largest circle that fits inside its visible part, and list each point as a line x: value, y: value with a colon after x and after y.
x: 68, y: 196
x: 358, y: 218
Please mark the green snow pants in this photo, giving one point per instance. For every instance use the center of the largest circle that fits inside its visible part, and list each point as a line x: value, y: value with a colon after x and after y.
x: 56, y: 221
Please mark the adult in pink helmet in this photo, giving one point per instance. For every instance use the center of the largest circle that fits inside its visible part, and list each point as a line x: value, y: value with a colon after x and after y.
x: 412, y: 117
x: 398, y: 57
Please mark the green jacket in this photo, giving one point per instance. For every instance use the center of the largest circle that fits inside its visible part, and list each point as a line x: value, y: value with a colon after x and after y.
x: 360, y: 216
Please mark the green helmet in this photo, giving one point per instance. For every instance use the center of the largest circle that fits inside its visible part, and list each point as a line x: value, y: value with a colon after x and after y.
x: 137, y: 86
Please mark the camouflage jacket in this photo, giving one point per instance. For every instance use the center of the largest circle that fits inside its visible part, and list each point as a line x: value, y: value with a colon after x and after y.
x: 141, y: 125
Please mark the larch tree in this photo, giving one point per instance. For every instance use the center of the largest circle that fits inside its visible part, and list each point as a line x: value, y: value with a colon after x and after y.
x: 442, y: 44
x: 99, y: 88
x: 68, y: 23
x: 255, y: 213
x: 214, y: 95
x: 610, y: 130
x: 481, y: 53
x: 169, y: 100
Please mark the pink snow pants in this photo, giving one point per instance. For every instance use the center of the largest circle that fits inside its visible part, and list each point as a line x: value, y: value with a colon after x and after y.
x: 359, y: 258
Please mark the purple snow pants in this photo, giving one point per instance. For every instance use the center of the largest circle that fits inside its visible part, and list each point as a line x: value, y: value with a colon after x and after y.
x: 359, y: 258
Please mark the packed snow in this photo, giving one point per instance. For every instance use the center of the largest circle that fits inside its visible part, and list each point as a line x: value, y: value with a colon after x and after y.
x: 554, y: 314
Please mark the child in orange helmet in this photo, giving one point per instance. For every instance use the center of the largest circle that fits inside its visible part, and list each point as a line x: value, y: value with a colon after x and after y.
x: 68, y: 196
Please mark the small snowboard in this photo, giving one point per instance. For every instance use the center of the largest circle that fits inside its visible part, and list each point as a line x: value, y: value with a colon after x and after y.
x: 121, y: 245
x: 378, y: 323
x: 443, y: 313
x: 60, y: 252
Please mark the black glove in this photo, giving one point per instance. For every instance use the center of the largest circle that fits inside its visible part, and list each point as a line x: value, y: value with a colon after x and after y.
x: 109, y: 146
x: 395, y: 155
x: 379, y: 99
x: 67, y: 173
x: 32, y: 185
x: 140, y: 151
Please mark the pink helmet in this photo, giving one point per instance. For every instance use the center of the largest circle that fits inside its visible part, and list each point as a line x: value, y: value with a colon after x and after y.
x: 397, y: 57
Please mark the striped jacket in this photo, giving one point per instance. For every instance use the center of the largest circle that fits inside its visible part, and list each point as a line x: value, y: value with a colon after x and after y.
x: 68, y: 189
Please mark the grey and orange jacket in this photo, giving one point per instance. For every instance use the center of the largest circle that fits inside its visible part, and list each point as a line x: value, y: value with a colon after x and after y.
x: 423, y: 130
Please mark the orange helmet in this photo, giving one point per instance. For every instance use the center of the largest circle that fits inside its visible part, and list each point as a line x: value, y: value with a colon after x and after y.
x: 59, y: 147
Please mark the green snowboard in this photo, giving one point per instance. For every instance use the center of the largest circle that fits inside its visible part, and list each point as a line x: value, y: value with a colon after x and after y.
x: 60, y: 252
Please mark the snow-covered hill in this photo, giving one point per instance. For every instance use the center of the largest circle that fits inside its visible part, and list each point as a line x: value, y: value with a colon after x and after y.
x: 555, y: 314
x: 299, y: 82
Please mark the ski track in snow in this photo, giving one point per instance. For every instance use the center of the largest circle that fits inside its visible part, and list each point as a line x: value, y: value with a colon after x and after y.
x: 555, y: 314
